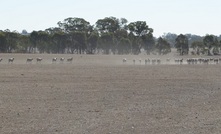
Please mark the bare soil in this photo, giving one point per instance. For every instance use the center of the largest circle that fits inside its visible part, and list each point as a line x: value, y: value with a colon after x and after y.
x: 98, y: 94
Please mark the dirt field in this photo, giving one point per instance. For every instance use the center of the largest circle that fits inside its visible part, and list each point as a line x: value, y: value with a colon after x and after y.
x: 98, y: 94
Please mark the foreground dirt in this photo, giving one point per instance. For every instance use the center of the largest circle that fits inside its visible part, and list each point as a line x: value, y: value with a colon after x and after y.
x: 94, y: 96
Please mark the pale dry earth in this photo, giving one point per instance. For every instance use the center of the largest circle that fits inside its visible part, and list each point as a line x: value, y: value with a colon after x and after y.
x: 98, y: 94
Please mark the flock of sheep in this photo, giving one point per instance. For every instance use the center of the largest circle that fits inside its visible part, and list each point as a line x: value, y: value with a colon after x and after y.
x: 155, y: 61
x: 38, y: 60
x: 152, y: 61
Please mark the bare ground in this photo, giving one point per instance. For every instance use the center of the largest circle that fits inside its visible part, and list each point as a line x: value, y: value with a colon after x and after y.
x: 101, y: 95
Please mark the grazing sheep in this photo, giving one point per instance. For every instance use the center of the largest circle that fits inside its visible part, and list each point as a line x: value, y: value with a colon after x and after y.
x: 10, y: 60
x: 54, y: 60
x: 189, y: 61
x: 140, y: 61
x: 29, y: 60
x: 205, y: 61
x: 179, y: 61
x: 62, y: 59
x: 70, y: 59
x: 39, y: 60
x: 134, y: 61
x: 147, y: 61
x: 216, y: 61
x: 158, y: 61
x: 124, y: 60
x: 153, y: 61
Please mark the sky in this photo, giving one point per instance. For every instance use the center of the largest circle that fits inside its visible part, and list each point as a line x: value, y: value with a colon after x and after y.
x: 198, y: 17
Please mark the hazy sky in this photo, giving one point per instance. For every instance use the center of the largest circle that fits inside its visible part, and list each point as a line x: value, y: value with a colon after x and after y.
x: 199, y: 17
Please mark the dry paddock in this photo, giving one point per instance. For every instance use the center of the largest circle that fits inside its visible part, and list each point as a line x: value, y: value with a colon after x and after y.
x: 101, y: 95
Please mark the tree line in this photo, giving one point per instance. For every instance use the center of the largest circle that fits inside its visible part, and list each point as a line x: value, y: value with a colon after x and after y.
x: 110, y: 35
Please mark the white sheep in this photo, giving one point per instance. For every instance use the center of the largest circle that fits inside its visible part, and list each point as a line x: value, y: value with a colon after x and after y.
x: 29, y: 60
x: 10, y: 60
x: 38, y: 60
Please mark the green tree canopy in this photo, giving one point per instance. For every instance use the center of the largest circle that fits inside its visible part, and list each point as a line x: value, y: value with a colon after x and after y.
x: 74, y: 24
x: 182, y: 44
x: 162, y: 46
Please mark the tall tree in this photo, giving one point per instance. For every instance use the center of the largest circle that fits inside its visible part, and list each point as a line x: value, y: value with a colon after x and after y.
x: 124, y: 46
x: 162, y: 46
x: 3, y: 47
x: 23, y: 43
x: 58, y: 40
x: 182, y: 44
x: 80, y: 39
x: 74, y: 24
x: 108, y: 25
x: 11, y: 40
x: 43, y: 41
x: 92, y: 42
x: 198, y: 47
x: 106, y: 42
x: 34, y: 40
x: 211, y: 42
x: 144, y: 35
x: 171, y: 38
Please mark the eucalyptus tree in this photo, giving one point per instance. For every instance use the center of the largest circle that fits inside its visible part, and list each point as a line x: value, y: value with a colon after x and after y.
x: 108, y: 25
x: 117, y: 39
x: 106, y: 42
x: 23, y: 43
x: 77, y: 31
x: 53, y: 30
x: 111, y: 29
x: 163, y: 46
x: 198, y: 47
x: 171, y: 38
x: 144, y: 36
x: 212, y: 44
x: 44, y: 41
x: 124, y: 46
x: 34, y: 40
x: 11, y: 40
x: 136, y: 43
x: 79, y: 40
x: 3, y: 46
x: 74, y: 24
x: 58, y: 40
x: 182, y: 44
x: 92, y: 42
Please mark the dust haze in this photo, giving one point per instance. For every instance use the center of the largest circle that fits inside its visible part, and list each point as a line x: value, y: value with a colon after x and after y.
x: 101, y: 94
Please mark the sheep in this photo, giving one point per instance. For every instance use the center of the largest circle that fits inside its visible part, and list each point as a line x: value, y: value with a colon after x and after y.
x: 10, y: 60
x: 153, y: 61
x: 38, y: 60
x: 205, y: 61
x: 134, y: 61
x: 147, y: 61
x: 216, y: 60
x: 140, y: 61
x: 179, y: 61
x: 189, y: 61
x: 62, y: 59
x: 158, y: 61
x: 29, y: 60
x: 124, y: 60
x: 70, y: 59
x: 54, y: 60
